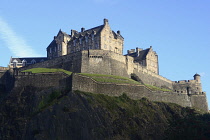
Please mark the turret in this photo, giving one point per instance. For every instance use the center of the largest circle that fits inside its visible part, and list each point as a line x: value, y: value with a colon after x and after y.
x: 197, y: 77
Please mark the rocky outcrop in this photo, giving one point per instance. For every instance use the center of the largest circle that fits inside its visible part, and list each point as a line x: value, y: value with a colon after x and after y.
x: 51, y: 113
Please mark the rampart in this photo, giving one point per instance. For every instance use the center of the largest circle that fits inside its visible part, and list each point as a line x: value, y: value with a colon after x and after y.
x: 83, y: 83
x: 87, y: 84
x: 42, y: 80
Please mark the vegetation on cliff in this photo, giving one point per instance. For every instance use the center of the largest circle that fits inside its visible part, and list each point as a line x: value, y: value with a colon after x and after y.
x: 34, y: 113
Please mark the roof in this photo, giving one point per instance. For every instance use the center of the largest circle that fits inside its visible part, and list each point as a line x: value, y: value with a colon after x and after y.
x: 196, y: 75
x: 29, y: 59
x: 64, y: 33
x: 97, y: 30
x: 53, y: 43
x: 142, y: 54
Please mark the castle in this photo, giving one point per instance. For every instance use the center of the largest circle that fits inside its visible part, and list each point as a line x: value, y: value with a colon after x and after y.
x: 99, y: 50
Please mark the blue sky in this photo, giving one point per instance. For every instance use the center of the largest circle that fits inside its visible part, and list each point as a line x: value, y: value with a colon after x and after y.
x: 178, y: 30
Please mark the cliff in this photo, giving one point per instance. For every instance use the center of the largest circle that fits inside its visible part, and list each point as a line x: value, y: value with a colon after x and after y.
x: 54, y: 114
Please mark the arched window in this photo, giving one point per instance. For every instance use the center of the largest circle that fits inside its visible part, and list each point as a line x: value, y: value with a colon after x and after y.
x: 24, y: 63
x: 14, y: 63
x: 33, y: 61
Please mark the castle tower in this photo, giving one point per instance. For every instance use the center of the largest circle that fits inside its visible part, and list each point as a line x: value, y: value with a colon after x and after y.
x: 197, y: 77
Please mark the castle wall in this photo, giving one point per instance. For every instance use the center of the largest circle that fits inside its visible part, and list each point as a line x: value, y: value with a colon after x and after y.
x: 151, y: 78
x: 187, y: 86
x: 71, y: 62
x: 103, y: 62
x: 199, y: 101
x: 42, y: 80
x: 86, y: 84
x: 6, y: 81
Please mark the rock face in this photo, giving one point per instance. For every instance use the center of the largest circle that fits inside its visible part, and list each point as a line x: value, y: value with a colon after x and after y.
x: 49, y: 113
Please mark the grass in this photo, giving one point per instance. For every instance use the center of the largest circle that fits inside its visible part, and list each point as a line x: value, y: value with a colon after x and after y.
x: 110, y: 78
x: 154, y: 88
x: 113, y: 104
x: 49, y: 100
x: 47, y: 70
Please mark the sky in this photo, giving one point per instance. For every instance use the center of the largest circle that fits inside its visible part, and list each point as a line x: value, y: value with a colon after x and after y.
x: 178, y: 30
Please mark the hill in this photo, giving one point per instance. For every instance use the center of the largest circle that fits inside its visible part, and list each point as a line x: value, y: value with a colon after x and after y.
x: 54, y: 114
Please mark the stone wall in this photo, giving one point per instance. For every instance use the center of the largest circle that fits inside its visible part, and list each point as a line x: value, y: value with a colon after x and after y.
x: 87, y: 84
x: 71, y: 62
x: 187, y: 86
x: 199, y: 101
x: 42, y: 80
x: 103, y: 62
x: 151, y: 78
x: 6, y: 80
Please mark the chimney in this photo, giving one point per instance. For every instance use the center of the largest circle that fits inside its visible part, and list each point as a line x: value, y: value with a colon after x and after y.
x: 118, y: 32
x: 73, y: 32
x: 105, y: 21
x: 82, y: 29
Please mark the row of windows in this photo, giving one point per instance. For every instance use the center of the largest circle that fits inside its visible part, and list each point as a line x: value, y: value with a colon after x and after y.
x: 80, y: 41
x: 74, y: 49
x: 55, y: 49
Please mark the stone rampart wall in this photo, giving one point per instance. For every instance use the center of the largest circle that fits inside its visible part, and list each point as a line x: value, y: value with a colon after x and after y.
x: 42, y: 80
x: 6, y: 80
x: 87, y: 84
x: 102, y: 62
x: 199, y: 101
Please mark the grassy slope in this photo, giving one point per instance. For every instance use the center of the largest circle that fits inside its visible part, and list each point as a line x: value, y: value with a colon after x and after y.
x: 110, y: 78
x: 46, y: 70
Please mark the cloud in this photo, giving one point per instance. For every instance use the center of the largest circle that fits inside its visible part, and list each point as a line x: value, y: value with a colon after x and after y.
x: 16, y: 44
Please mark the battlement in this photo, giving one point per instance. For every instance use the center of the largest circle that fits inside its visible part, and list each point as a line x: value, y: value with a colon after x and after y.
x: 185, y: 81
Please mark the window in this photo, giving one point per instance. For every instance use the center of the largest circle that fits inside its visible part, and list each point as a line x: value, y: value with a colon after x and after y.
x: 96, y: 45
x: 50, y: 50
x: 80, y: 41
x: 59, y: 47
x: 55, y: 49
x: 15, y: 63
x: 33, y: 61
x: 92, y: 36
x: 86, y: 38
x: 104, y: 46
x: 74, y: 42
x: 24, y: 63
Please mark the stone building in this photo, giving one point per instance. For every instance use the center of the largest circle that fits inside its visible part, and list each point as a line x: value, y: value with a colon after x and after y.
x: 22, y: 62
x: 147, y: 58
x: 98, y: 38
